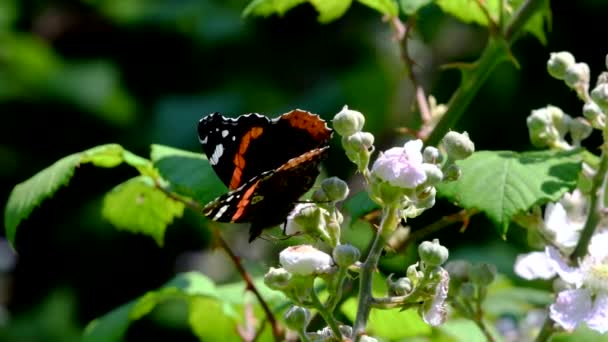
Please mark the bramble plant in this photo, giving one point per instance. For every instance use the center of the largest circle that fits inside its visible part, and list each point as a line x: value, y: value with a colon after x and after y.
x: 328, y: 284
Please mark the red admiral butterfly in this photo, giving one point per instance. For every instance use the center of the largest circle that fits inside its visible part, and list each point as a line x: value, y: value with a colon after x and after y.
x: 266, y: 164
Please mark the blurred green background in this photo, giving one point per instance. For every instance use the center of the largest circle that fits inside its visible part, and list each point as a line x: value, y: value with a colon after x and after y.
x: 75, y: 74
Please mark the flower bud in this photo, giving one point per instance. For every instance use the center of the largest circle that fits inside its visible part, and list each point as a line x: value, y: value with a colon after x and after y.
x: 482, y: 274
x: 277, y: 278
x: 413, y: 274
x: 335, y: 188
x: 577, y: 76
x: 431, y: 155
x: 558, y: 63
x: 594, y: 114
x: 547, y: 126
x: 346, y: 255
x: 432, y: 253
x: 433, y: 174
x: 400, y: 287
x: 452, y: 173
x: 426, y: 199
x: 467, y: 291
x: 305, y: 260
x: 458, y: 270
x: 358, y: 148
x: 297, y: 318
x: 308, y: 218
x: 458, y: 145
x: 580, y: 129
x: 367, y: 338
x: 348, y: 122
x: 599, y: 94
x: 319, y: 196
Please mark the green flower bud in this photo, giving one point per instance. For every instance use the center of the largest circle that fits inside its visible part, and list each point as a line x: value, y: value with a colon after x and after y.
x: 482, y: 274
x: 580, y: 129
x: 358, y: 148
x: 602, y: 78
x: 348, y: 122
x: 433, y: 174
x: 452, y: 173
x: 458, y: 145
x: 413, y: 274
x: 297, y: 318
x: 308, y: 218
x: 467, y: 291
x: 594, y: 114
x: 319, y: 196
x: 558, y: 63
x: 346, y: 255
x: 335, y: 188
x: 458, y: 270
x: 599, y: 94
x: 400, y: 287
x: 577, y: 76
x: 431, y: 155
x: 432, y: 253
x: 547, y: 126
x: 277, y: 278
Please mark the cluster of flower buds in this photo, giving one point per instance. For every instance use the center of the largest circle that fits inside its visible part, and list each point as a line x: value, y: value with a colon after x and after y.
x: 426, y: 283
x: 408, y: 175
x: 358, y: 145
x: 548, y: 126
x: 468, y: 285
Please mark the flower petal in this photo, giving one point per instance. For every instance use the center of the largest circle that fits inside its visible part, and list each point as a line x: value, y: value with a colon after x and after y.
x: 534, y: 265
x: 598, y: 316
x: 597, y: 247
x: 305, y: 260
x: 569, y: 274
x: 434, y: 312
x: 571, y: 308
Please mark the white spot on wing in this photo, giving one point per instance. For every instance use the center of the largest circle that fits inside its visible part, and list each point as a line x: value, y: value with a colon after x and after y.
x: 233, y: 138
x: 204, y: 141
x: 224, y: 133
x: 229, y: 198
x: 217, y: 154
x: 220, y: 213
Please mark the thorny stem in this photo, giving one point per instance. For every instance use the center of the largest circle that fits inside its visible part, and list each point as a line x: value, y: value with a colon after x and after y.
x: 388, y: 224
x: 327, y: 315
x: 196, y: 207
x: 595, y: 210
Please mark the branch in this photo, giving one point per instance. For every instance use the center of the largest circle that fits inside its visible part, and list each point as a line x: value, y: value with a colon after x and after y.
x: 196, y: 207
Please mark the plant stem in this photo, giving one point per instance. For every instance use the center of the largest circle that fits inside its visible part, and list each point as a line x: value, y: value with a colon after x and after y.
x: 336, y: 289
x: 196, y: 207
x: 388, y: 224
x: 546, y: 331
x: 327, y: 316
x: 595, y: 209
x: 495, y: 53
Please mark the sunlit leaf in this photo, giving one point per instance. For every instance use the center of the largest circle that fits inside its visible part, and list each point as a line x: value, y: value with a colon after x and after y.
x: 330, y: 10
x: 188, y: 174
x: 137, y: 206
x: 186, y: 286
x: 31, y: 193
x: 504, y: 183
x: 410, y: 7
x: 266, y: 8
x: 386, y: 7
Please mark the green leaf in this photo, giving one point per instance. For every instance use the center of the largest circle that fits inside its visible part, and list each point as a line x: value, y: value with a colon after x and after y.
x: 410, y: 7
x: 31, y: 193
x: 137, y: 206
x: 460, y: 329
x: 504, y: 183
x: 189, y: 174
x: 265, y: 8
x: 470, y: 11
x: 386, y: 7
x: 390, y: 324
x: 195, y: 288
x: 28, y: 195
x: 330, y: 10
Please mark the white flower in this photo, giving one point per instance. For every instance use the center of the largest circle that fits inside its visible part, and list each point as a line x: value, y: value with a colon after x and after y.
x: 305, y: 260
x: 587, y: 302
x: 401, y: 166
x: 434, y: 312
x: 565, y: 220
